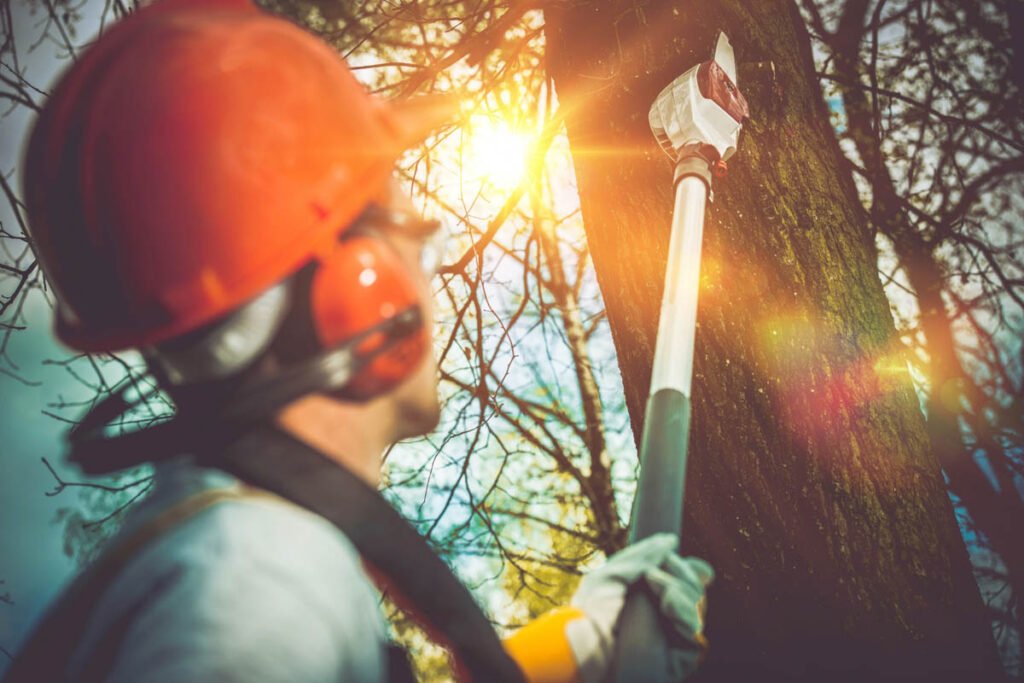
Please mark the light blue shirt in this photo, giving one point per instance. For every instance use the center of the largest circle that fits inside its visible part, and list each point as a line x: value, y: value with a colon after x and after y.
x: 254, y: 590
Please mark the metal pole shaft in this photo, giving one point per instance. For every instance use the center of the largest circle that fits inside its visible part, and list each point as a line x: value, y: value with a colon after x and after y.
x: 642, y: 654
x: 673, y: 355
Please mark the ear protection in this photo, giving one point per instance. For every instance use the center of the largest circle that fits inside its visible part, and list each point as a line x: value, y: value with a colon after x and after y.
x: 356, y: 289
x: 349, y: 323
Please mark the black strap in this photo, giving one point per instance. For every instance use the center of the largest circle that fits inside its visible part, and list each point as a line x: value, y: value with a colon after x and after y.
x: 399, y: 668
x: 272, y: 460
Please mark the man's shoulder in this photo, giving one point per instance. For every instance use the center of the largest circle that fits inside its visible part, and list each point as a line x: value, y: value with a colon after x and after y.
x: 259, y: 532
x: 243, y: 570
x: 249, y: 537
x: 200, y: 517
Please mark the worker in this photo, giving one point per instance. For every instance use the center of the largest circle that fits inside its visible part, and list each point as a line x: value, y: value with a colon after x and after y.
x: 210, y: 185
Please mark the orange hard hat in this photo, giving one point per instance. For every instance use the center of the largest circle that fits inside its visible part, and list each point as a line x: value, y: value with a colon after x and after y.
x: 196, y: 154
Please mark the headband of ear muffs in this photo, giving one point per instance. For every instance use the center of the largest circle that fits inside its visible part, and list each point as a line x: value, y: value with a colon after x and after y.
x: 226, y: 347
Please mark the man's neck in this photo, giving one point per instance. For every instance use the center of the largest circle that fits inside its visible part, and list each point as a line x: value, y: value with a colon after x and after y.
x: 353, y: 435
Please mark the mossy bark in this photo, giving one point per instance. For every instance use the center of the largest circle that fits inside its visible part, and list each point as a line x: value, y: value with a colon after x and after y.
x: 811, y: 485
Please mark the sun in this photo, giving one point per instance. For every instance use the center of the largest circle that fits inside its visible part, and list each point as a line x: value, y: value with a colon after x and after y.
x: 495, y: 153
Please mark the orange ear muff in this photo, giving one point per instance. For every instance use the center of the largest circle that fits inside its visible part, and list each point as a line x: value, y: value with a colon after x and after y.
x: 359, y: 285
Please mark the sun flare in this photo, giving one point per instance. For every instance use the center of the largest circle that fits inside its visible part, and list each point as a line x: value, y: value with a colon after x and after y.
x: 495, y: 153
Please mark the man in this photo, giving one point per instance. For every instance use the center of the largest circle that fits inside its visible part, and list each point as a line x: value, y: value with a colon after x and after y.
x: 210, y: 184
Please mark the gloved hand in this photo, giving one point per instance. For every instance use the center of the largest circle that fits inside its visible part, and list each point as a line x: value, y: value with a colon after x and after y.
x: 678, y: 586
x: 577, y: 643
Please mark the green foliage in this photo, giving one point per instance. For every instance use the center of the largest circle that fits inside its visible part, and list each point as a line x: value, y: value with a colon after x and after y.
x: 429, y: 660
x: 537, y: 587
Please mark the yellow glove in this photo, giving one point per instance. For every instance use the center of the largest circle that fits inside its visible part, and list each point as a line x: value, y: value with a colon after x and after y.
x: 542, y: 648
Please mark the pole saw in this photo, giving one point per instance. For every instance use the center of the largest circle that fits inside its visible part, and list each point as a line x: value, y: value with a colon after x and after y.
x: 697, y: 120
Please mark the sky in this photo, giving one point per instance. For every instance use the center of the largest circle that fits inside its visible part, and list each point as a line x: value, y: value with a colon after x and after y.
x: 31, y: 559
x: 32, y: 562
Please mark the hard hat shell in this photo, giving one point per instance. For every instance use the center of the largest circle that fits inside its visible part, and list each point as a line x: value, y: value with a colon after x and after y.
x: 196, y: 154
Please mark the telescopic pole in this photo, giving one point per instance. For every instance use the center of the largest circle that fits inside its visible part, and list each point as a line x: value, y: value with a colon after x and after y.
x: 658, y: 506
x: 659, y: 499
x: 697, y: 119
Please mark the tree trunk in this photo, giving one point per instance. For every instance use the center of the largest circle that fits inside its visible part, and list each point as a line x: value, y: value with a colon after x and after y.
x: 987, y: 492
x: 811, y: 489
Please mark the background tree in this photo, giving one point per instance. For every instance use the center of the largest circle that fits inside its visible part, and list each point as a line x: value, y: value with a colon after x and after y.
x: 931, y: 96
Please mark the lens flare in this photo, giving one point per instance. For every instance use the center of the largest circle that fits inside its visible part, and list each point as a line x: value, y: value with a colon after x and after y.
x: 495, y: 153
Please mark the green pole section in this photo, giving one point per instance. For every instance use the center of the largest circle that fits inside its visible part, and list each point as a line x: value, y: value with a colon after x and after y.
x: 657, y: 508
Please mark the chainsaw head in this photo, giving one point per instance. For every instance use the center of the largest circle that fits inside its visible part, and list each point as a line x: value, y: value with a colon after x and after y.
x: 702, y: 107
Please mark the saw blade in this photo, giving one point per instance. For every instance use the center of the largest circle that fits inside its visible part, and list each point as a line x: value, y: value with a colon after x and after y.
x: 725, y: 57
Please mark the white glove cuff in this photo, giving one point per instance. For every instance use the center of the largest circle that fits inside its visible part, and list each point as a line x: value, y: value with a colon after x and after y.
x: 590, y: 647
